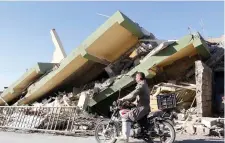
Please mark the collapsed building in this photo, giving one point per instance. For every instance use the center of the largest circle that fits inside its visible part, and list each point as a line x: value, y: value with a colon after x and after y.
x: 101, y: 69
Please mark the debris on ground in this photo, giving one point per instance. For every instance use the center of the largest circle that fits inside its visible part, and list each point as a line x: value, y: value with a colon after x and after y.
x: 69, y: 119
x: 195, y: 125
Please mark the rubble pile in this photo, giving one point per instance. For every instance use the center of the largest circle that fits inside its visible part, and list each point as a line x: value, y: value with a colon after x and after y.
x: 185, y: 93
x: 56, y: 119
x: 63, y: 99
x: 132, y: 58
x: 74, y: 124
x: 188, y: 122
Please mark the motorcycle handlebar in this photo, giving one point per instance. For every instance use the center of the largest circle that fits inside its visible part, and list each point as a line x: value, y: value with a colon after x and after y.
x: 122, y: 103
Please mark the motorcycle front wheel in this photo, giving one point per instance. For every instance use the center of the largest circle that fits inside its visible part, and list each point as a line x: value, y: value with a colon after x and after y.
x: 105, y: 132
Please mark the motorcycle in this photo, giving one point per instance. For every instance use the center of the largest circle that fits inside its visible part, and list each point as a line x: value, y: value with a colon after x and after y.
x: 155, y: 127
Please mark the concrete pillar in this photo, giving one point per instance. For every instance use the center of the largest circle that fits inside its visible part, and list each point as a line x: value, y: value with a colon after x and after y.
x: 59, y: 53
x: 203, y: 76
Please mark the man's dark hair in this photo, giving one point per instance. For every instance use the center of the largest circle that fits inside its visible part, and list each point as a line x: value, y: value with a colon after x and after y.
x: 142, y: 75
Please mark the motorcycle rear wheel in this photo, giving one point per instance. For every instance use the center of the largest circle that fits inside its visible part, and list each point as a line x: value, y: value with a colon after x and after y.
x: 170, y: 121
x: 172, y: 132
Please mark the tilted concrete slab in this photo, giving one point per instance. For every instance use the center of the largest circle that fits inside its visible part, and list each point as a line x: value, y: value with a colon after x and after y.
x: 70, y: 65
x: 117, y: 35
x: 186, y: 46
x: 24, y: 81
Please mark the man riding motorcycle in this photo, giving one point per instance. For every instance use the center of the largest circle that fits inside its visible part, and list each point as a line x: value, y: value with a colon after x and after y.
x: 141, y: 93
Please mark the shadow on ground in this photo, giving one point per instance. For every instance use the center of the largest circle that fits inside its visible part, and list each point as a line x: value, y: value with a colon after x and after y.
x: 201, y: 141
x: 189, y: 141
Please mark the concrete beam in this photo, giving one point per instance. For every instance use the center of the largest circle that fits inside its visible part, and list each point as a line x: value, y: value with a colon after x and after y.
x: 93, y: 58
x: 24, y: 81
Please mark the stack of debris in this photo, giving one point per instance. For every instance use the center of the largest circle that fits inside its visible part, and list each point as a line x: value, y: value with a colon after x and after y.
x: 54, y: 119
x: 79, y: 123
x: 63, y: 99
x: 185, y: 94
x: 132, y: 58
x: 191, y: 124
x: 187, y: 117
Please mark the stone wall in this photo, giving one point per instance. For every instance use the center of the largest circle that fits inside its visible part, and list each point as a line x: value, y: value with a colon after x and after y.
x: 203, y: 76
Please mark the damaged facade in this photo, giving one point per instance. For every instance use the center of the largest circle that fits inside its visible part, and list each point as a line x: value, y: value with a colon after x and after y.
x: 101, y: 69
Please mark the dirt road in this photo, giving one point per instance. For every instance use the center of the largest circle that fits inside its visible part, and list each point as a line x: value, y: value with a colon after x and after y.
x: 11, y: 137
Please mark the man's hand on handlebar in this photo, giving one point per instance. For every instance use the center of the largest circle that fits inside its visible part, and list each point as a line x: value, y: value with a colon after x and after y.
x: 125, y: 103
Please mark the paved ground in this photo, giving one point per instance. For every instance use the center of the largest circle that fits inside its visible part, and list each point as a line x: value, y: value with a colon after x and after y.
x: 12, y: 137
